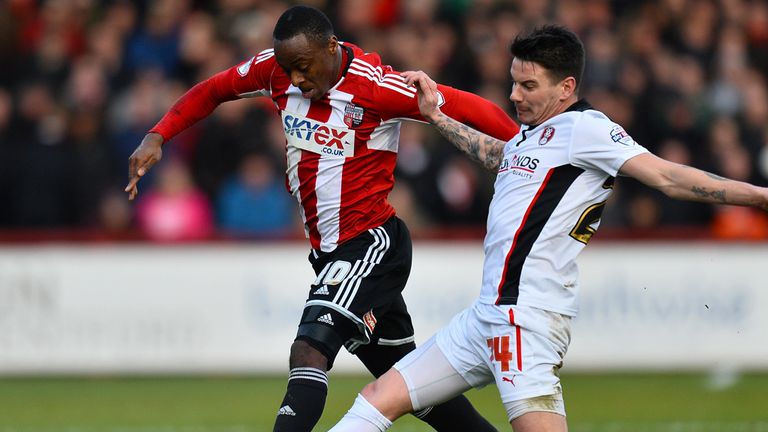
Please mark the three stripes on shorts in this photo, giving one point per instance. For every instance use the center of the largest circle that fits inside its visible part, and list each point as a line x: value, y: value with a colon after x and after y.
x: 363, y: 268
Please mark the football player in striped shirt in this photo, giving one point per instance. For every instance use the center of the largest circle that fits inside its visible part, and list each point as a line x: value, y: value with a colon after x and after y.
x: 553, y: 180
x: 341, y: 110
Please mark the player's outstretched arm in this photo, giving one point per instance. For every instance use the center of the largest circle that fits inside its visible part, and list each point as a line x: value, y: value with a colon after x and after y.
x: 479, y: 146
x: 688, y: 183
x: 194, y: 105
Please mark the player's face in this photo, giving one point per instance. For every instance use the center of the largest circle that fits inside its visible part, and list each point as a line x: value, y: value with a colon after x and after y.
x: 536, y: 95
x: 312, y: 66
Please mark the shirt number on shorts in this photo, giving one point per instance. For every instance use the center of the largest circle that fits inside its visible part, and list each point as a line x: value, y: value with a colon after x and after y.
x: 500, y: 352
x: 333, y: 273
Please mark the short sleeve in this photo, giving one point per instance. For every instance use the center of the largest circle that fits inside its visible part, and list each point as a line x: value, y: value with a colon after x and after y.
x: 600, y: 144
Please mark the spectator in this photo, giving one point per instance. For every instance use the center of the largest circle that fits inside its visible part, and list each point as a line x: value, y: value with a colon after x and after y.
x: 174, y: 209
x: 255, y: 202
x: 41, y: 163
x: 156, y: 45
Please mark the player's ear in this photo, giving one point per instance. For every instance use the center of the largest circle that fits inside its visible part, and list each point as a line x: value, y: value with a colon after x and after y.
x: 333, y: 44
x: 568, y: 87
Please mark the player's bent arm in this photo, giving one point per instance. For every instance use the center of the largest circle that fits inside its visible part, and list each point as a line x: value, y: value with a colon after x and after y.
x: 197, y: 103
x: 487, y: 150
x: 688, y: 183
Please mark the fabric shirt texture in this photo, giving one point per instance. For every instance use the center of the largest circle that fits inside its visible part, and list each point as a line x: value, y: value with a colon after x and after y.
x: 549, y: 194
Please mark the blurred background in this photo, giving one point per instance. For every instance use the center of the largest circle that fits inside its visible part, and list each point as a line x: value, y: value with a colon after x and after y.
x: 175, y: 312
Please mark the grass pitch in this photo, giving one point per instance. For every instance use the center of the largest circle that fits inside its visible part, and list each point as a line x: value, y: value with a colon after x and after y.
x: 595, y: 403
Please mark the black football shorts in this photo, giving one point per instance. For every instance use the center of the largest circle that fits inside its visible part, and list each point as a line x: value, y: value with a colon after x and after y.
x: 357, y: 296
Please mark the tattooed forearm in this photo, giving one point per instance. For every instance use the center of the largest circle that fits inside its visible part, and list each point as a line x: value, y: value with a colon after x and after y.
x: 715, y: 195
x: 494, y: 152
x: 459, y: 135
x: 480, y: 147
x: 697, y: 185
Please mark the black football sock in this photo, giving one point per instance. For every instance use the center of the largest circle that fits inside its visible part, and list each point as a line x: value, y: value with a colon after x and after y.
x: 304, y: 400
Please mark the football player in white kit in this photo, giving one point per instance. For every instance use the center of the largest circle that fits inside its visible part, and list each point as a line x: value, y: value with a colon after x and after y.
x: 553, y: 180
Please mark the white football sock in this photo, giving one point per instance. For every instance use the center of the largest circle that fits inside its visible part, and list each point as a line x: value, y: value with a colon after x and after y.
x: 362, y: 417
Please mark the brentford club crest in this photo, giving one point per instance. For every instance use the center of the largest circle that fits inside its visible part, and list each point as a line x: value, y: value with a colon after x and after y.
x: 369, y: 320
x: 353, y: 115
x: 546, y: 135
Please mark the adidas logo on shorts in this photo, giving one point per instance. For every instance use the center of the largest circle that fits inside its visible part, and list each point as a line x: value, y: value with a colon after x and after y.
x: 286, y: 410
x: 326, y: 319
x: 323, y: 290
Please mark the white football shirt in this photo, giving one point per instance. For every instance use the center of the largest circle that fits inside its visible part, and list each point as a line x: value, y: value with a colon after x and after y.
x: 549, y: 195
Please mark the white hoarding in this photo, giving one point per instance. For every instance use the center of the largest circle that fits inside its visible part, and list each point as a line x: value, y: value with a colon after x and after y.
x: 234, y: 308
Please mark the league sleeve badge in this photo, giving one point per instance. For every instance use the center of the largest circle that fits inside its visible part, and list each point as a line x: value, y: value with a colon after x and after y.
x: 619, y: 135
x: 243, y: 69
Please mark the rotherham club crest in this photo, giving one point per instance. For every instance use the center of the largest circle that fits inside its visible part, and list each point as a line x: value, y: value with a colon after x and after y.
x: 546, y: 135
x: 353, y: 115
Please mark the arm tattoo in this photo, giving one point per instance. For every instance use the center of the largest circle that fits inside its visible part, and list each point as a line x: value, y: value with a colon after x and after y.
x: 715, y: 195
x: 701, y: 192
x: 494, y: 152
x: 479, y: 146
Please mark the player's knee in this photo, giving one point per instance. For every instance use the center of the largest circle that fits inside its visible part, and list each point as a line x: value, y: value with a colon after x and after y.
x: 389, y: 394
x: 540, y: 422
x: 305, y: 355
x: 370, y: 391
x: 541, y: 414
x: 317, y: 344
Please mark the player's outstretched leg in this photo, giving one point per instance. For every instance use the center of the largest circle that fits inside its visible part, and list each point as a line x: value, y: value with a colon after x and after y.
x: 455, y: 415
x: 307, y: 389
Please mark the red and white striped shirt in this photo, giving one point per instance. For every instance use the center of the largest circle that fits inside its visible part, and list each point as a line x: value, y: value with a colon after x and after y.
x: 341, y: 150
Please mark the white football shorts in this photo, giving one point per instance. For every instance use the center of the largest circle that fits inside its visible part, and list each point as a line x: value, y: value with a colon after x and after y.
x: 519, y: 348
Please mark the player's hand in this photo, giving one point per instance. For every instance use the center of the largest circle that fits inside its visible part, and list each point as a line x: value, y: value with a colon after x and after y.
x: 146, y: 154
x: 427, y: 91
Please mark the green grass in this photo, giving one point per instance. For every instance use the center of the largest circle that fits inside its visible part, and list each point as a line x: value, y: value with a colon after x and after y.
x: 595, y: 403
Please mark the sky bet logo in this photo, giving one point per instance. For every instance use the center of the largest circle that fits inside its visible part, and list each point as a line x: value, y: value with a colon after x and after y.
x: 523, y: 166
x: 320, y: 138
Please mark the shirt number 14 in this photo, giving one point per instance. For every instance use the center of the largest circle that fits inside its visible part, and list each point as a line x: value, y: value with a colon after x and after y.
x: 500, y: 352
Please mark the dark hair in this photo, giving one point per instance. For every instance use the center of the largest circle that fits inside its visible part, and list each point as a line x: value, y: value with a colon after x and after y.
x: 305, y: 20
x: 556, y: 48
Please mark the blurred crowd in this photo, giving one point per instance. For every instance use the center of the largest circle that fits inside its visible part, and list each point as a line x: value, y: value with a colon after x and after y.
x: 82, y: 81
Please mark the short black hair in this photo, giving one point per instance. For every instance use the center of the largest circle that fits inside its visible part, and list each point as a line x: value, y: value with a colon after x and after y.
x: 305, y: 20
x: 556, y: 48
